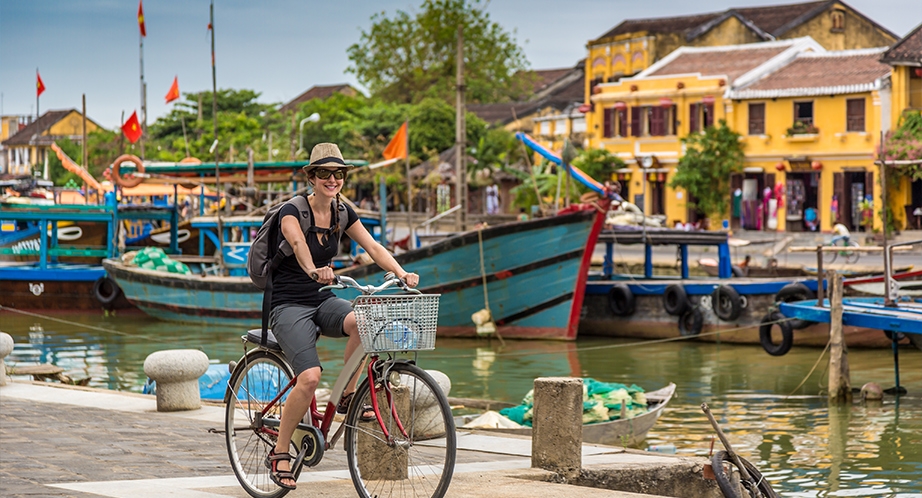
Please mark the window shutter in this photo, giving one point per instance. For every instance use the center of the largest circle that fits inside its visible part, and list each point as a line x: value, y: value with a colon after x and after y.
x: 657, y: 121
x: 854, y: 110
x: 756, y: 119
x: 608, y: 122
x: 636, y: 120
x: 693, y: 118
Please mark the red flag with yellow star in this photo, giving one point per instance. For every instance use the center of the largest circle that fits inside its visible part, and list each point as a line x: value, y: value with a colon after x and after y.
x: 39, y: 84
x: 141, y: 18
x: 173, y: 94
x: 132, y: 128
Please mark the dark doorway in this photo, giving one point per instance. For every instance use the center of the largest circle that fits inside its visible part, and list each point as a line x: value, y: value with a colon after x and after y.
x: 850, y: 188
x: 802, y: 213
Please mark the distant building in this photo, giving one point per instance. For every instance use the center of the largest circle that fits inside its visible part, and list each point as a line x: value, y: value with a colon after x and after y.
x: 636, y: 44
x: 321, y: 92
x: 30, y: 145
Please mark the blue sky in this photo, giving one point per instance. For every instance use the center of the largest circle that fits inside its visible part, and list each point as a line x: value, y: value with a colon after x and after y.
x: 276, y: 47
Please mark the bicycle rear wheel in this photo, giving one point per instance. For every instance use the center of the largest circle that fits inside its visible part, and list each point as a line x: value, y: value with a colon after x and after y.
x: 830, y: 256
x: 417, y: 460
x: 250, y: 434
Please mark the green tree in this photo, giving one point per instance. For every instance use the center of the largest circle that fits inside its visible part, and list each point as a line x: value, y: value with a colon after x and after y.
x: 599, y: 164
x: 408, y: 58
x: 704, y: 170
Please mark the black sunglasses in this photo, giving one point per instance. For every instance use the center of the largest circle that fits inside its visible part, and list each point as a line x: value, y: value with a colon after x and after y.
x: 323, y: 174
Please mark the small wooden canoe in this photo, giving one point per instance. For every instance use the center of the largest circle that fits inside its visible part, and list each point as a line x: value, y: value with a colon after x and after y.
x: 629, y: 432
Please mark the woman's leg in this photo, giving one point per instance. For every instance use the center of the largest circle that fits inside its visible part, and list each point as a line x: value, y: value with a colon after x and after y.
x: 352, y: 330
x: 297, y: 404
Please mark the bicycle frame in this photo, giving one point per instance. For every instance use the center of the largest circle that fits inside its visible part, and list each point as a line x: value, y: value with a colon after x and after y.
x: 326, y: 418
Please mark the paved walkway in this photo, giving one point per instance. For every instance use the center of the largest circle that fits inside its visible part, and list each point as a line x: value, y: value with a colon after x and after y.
x: 57, y: 440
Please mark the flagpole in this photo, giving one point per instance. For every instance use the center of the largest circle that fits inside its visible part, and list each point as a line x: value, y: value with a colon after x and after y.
x: 143, y: 93
x: 214, y: 118
x: 37, y: 93
x: 410, y: 242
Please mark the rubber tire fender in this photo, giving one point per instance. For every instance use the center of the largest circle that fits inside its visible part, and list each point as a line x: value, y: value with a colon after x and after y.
x: 131, y: 181
x: 621, y: 300
x: 765, y: 334
x: 691, y: 322
x: 675, y: 299
x: 726, y: 485
x: 106, y: 290
x: 730, y: 296
x: 795, y: 291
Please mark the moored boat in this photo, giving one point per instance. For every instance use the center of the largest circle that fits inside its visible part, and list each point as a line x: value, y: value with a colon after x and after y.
x: 619, y: 432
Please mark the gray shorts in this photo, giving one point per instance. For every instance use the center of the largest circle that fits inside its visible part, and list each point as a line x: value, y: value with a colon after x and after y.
x: 297, y: 328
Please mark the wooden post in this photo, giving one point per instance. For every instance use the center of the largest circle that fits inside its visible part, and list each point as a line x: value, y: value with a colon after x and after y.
x: 819, y: 276
x: 840, y: 388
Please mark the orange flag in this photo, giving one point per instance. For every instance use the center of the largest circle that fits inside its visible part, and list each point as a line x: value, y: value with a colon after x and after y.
x: 173, y: 94
x: 132, y: 128
x: 39, y: 84
x: 141, y: 18
x: 397, y: 148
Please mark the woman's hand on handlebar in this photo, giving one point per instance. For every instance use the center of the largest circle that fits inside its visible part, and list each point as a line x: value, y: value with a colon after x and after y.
x: 411, y: 279
x: 323, y: 275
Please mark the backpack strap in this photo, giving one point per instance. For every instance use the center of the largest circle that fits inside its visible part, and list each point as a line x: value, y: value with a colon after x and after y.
x: 281, y: 253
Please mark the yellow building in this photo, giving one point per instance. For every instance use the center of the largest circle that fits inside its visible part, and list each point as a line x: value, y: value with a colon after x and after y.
x: 30, y: 146
x: 801, y: 177
x: 905, y: 57
x: 635, y: 44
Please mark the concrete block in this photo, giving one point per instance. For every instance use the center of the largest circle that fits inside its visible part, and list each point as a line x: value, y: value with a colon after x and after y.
x: 557, y: 425
x: 176, y: 372
x: 6, y: 347
x: 378, y: 459
x: 428, y: 422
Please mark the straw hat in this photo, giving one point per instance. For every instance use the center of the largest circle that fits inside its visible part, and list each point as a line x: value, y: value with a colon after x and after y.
x: 326, y: 154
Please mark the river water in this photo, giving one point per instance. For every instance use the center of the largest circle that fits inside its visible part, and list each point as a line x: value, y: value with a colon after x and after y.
x: 772, y: 409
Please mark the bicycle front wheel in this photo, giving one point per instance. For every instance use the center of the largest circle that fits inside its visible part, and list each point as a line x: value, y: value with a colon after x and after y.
x: 417, y: 457
x: 258, y: 379
x: 830, y: 256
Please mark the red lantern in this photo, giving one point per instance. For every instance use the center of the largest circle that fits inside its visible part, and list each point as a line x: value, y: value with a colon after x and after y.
x: 585, y: 108
x: 816, y: 165
x: 780, y: 166
x: 918, y: 72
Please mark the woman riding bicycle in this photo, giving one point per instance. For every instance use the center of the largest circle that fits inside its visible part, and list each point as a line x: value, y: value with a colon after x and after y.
x: 299, y: 312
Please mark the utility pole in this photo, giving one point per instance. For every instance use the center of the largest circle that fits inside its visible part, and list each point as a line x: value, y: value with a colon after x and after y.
x: 460, y: 130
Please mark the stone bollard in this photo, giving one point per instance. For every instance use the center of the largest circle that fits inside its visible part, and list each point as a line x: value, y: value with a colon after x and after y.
x: 557, y: 425
x: 428, y: 421
x: 384, y: 461
x: 177, y: 372
x: 6, y: 347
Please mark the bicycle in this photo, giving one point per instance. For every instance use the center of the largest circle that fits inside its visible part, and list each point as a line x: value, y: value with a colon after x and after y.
x: 844, y: 242
x: 751, y: 483
x: 409, y: 448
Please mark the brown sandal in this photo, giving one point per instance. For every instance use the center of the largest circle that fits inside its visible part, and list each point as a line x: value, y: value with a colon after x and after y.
x: 278, y: 476
x: 368, y: 412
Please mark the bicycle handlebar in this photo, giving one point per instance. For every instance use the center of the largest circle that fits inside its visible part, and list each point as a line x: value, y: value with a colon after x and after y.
x: 390, y: 280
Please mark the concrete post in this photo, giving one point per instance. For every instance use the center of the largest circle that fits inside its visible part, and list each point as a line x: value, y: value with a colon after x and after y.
x: 6, y: 347
x: 382, y: 461
x: 177, y: 372
x: 840, y: 388
x: 557, y: 430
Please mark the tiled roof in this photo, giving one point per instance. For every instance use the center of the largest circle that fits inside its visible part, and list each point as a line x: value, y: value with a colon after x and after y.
x: 660, y: 24
x: 731, y: 62
x: 566, y: 88
x: 317, y: 92
x: 773, y: 19
x: 909, y: 49
x: 34, y: 130
x: 847, y: 71
x: 546, y: 77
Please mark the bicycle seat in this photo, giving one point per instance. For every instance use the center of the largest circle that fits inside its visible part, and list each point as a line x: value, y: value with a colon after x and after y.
x: 255, y: 335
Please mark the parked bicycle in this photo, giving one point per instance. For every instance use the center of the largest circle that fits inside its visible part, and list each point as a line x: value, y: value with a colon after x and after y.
x: 751, y: 482
x: 407, y: 449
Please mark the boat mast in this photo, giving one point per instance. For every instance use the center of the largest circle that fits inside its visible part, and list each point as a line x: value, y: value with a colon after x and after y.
x: 460, y: 175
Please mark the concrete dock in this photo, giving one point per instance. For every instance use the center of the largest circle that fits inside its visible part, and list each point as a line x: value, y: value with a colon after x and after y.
x: 58, y: 440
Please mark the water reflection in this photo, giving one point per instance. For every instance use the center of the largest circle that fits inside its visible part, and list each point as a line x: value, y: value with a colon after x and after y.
x: 772, y: 409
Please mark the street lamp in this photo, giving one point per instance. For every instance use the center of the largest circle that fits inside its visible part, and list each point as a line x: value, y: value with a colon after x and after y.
x: 313, y: 118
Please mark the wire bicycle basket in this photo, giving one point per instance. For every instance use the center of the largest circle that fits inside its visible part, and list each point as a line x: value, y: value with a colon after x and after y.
x: 405, y: 322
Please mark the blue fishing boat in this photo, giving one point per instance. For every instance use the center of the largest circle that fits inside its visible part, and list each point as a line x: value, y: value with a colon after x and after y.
x: 534, y: 272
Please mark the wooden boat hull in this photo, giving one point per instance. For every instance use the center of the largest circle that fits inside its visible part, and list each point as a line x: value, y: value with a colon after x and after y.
x: 630, y: 432
x: 58, y: 287
x: 535, y: 273
x: 650, y: 320
x: 189, y: 298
